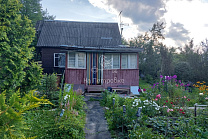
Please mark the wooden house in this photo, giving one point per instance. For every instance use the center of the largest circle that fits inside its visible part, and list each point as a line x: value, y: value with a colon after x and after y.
x: 90, y: 53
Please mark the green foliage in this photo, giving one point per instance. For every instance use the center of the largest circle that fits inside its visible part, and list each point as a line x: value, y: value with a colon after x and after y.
x: 16, y: 34
x: 33, y: 10
x: 183, y: 71
x: 162, y: 116
x: 53, y: 125
x: 11, y: 113
x: 32, y: 78
x: 48, y: 83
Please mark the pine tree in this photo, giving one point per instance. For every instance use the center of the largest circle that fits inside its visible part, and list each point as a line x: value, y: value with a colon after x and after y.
x: 16, y: 34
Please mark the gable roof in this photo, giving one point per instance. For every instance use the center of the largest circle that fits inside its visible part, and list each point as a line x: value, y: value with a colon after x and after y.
x: 55, y: 33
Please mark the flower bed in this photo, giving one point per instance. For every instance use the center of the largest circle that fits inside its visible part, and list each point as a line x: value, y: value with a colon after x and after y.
x: 65, y: 121
x: 161, y: 111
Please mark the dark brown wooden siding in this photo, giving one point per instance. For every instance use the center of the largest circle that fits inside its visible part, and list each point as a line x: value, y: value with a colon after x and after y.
x: 48, y: 60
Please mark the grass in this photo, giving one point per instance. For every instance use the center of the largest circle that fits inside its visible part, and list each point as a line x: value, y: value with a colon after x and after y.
x: 143, y: 84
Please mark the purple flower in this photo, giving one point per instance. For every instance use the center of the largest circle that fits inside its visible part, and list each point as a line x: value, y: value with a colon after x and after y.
x: 154, y: 85
x: 157, y: 83
x: 175, y: 80
x: 174, y: 76
x: 161, y: 76
x: 181, y: 84
x: 163, y: 81
x: 179, y: 81
x: 187, y: 84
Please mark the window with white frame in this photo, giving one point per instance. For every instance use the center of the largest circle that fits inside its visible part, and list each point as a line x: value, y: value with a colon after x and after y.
x: 77, y: 60
x: 128, y: 61
x: 59, y: 59
x: 112, y: 61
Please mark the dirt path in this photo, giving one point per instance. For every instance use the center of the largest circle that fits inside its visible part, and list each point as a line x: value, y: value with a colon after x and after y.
x: 96, y: 126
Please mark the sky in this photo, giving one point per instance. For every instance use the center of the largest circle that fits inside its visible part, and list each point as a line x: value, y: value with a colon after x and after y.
x: 183, y: 19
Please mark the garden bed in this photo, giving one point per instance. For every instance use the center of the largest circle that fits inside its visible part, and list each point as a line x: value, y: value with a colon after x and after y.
x: 165, y: 110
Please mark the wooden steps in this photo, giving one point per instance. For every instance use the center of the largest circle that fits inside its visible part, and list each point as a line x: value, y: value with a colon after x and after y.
x: 95, y: 88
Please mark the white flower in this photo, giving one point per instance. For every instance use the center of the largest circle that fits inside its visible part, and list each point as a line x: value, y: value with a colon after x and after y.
x: 67, y: 96
x: 201, y: 94
x: 146, y: 102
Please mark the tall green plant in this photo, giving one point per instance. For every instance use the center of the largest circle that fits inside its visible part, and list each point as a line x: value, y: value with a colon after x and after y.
x: 11, y: 113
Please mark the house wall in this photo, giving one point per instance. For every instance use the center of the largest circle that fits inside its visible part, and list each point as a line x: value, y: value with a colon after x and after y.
x: 75, y: 76
x: 47, y: 55
x: 121, y: 77
x: 111, y: 77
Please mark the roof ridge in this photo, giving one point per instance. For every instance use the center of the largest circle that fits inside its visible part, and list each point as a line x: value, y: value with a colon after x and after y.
x: 80, y: 21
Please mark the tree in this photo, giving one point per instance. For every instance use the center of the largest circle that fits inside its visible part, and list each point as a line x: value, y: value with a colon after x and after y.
x: 167, y: 67
x: 150, y: 59
x: 33, y: 10
x: 16, y: 34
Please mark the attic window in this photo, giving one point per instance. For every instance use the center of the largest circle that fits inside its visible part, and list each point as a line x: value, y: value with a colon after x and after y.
x: 106, y: 38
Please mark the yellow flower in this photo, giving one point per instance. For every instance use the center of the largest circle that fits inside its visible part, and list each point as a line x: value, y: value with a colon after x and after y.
x: 198, y: 82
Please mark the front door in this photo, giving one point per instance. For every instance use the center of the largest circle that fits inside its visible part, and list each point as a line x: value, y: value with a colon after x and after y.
x: 94, y: 68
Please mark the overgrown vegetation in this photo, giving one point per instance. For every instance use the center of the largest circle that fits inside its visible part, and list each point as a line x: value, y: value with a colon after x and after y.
x: 66, y: 121
x: 164, y: 110
x: 24, y: 112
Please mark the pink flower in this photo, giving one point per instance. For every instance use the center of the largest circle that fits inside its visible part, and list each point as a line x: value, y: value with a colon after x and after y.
x: 139, y: 90
x: 166, y: 101
x: 176, y: 85
x: 184, y: 97
x: 158, y: 96
x: 168, y: 110
x: 183, y: 112
x: 190, y: 99
x: 173, y: 105
x: 156, y: 99
x: 144, y: 90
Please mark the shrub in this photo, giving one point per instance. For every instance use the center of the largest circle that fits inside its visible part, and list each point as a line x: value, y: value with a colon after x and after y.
x: 11, y: 113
